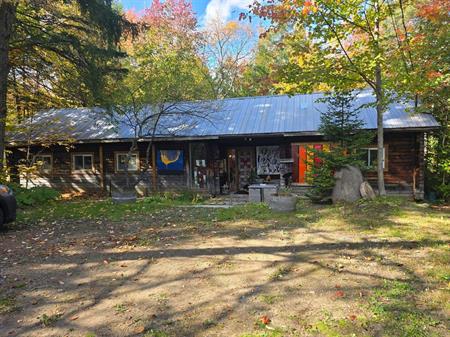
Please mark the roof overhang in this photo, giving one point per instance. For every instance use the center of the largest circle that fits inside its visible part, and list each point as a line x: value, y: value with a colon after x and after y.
x: 225, y: 136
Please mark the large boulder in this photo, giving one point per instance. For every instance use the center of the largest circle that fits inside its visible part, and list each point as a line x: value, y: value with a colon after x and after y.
x: 348, y: 183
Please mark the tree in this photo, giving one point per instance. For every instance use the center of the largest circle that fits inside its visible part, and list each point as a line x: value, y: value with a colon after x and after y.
x: 425, y: 79
x: 342, y: 127
x: 55, y: 47
x: 227, y: 48
x: 165, y: 74
x: 350, y: 41
x: 263, y: 70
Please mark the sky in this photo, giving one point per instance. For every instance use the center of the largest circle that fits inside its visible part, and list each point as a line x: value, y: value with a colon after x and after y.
x: 206, y: 10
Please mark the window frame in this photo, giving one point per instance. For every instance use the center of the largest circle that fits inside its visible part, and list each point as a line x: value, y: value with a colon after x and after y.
x: 121, y: 153
x: 48, y: 155
x: 385, y: 157
x: 92, y: 169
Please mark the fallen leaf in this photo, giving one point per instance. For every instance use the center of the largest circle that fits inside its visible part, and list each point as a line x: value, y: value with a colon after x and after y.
x: 74, y: 318
x: 139, y: 329
x: 339, y: 294
x: 265, y: 320
x: 352, y: 317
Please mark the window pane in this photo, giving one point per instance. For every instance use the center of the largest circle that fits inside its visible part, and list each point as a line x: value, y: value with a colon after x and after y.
x: 78, y: 162
x: 121, y: 162
x: 87, y: 162
x: 45, y: 162
x: 132, y: 164
x: 373, y: 157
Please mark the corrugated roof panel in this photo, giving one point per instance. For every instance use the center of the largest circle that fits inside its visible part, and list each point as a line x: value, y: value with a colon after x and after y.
x: 236, y: 116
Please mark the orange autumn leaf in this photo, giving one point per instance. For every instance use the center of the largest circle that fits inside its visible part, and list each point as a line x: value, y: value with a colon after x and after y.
x: 265, y: 320
x: 339, y: 294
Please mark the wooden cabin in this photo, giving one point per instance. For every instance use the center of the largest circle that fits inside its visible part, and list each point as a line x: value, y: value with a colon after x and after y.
x: 243, y: 140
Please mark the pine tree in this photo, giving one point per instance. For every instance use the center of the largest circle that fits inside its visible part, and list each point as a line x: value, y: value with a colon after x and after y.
x: 342, y: 127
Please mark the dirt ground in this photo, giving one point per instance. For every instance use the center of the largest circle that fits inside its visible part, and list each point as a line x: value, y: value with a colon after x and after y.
x: 170, y: 274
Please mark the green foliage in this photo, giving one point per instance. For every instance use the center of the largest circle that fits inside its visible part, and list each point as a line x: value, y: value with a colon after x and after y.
x: 265, y: 69
x: 70, y: 58
x: 49, y: 320
x: 34, y: 196
x: 341, y: 126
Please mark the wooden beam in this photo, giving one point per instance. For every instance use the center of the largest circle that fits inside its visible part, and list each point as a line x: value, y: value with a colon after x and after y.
x: 154, y: 169
x: 101, y: 167
x: 189, y: 167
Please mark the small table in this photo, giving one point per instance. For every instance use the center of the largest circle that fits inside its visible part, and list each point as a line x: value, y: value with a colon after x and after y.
x: 261, y: 192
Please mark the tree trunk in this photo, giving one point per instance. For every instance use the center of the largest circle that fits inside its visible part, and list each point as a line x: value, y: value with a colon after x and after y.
x: 380, y: 103
x: 380, y: 131
x: 7, y: 18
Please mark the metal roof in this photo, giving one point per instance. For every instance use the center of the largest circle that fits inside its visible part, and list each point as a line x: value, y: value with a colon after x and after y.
x: 228, y: 117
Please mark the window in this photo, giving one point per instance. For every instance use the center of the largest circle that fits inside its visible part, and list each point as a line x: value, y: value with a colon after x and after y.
x: 370, y: 155
x: 45, y: 162
x: 121, y: 160
x: 83, y: 162
x: 199, y: 172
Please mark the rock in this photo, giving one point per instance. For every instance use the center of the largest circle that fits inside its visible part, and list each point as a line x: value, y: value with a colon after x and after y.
x: 367, y: 191
x: 348, y: 182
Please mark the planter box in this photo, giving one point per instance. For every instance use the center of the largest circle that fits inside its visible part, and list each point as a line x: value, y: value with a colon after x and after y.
x: 283, y: 203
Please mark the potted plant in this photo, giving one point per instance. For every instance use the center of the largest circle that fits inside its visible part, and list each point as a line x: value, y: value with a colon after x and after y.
x: 283, y: 201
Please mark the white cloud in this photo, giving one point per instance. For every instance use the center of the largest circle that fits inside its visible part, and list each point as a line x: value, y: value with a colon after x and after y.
x: 222, y: 9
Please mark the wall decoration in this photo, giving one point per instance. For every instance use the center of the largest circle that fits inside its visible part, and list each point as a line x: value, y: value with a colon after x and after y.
x: 268, y: 160
x: 246, y: 160
x: 170, y: 160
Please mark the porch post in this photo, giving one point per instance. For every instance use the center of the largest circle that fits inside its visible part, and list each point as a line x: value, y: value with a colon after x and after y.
x: 154, y: 169
x: 101, y: 167
x: 189, y: 167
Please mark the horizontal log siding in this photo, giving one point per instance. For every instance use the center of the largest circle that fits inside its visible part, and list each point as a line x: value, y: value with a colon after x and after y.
x: 63, y: 177
x: 404, y: 155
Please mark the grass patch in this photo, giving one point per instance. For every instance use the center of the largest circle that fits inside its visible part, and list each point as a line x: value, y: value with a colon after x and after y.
x: 281, y: 272
x: 387, y: 217
x: 330, y: 327
x: 156, y: 333
x: 269, y: 333
x: 47, y: 320
x: 120, y: 308
x: 439, y: 259
x: 7, y: 304
x: 269, y: 298
x: 100, y: 209
x: 394, y: 308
